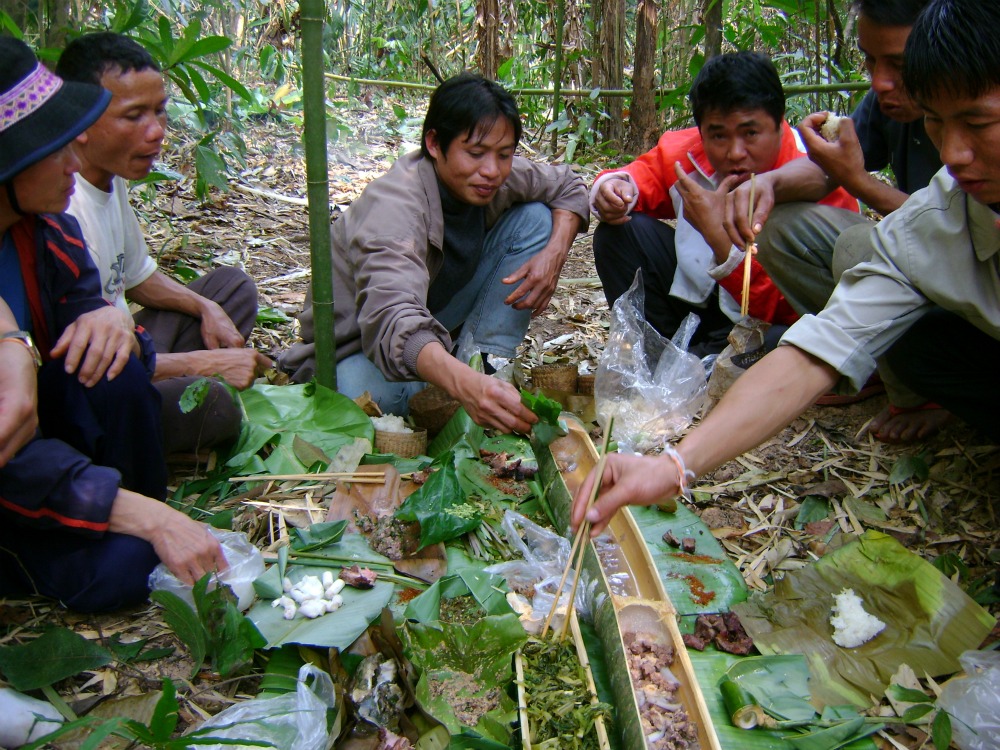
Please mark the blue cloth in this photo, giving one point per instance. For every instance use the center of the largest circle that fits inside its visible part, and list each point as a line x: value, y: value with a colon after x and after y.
x: 56, y: 494
x: 12, y: 284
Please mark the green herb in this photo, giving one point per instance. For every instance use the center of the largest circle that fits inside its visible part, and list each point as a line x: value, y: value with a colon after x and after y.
x: 548, y: 427
x: 559, y: 707
x: 439, y: 506
x: 215, y: 627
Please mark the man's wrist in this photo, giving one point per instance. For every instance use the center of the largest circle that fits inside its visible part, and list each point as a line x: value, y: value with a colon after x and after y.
x: 23, y: 339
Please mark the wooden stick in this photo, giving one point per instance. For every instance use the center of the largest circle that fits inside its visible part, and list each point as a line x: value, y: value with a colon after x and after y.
x: 584, y: 527
x: 745, y: 299
x: 346, y: 475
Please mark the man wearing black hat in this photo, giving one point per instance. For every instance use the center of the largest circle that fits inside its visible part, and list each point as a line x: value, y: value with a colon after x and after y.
x: 79, y: 502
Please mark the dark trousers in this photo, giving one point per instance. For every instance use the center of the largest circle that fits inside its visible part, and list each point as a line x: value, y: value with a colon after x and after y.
x: 644, y: 242
x: 217, y: 420
x: 116, y: 424
x: 951, y: 362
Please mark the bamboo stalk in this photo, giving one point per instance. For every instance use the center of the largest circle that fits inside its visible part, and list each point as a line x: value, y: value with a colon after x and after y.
x: 750, y: 249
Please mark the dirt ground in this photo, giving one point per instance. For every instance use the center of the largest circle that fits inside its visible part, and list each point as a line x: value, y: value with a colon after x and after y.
x: 751, y: 503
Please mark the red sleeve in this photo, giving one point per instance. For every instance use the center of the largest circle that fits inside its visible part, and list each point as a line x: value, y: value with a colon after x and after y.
x: 654, y: 175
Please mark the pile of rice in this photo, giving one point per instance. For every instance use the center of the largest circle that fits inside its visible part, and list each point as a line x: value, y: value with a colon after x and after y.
x: 852, y: 626
x: 390, y: 423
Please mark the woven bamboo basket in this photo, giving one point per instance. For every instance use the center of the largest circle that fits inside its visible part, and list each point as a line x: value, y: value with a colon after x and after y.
x: 431, y: 408
x: 404, y: 444
x: 555, y: 377
x: 585, y: 384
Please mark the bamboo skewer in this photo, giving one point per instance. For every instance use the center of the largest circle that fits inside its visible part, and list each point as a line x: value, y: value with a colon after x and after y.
x: 347, y: 476
x: 751, y: 248
x: 582, y: 534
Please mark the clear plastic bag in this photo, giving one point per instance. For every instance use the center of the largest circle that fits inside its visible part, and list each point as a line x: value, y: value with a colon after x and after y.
x: 974, y: 701
x: 652, y: 387
x: 294, y: 720
x: 246, y: 564
x: 543, y: 558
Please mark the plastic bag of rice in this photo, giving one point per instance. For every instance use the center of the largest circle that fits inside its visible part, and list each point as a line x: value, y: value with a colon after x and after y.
x: 852, y: 626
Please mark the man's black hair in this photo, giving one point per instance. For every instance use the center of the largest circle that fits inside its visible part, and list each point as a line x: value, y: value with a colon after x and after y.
x: 737, y: 80
x: 467, y: 104
x: 90, y: 56
x: 889, y: 12
x: 954, y: 49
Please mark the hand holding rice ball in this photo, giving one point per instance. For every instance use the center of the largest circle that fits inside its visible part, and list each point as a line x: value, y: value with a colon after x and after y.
x: 830, y: 129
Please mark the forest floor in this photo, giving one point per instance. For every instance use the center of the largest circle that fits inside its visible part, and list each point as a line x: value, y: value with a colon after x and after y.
x: 750, y: 503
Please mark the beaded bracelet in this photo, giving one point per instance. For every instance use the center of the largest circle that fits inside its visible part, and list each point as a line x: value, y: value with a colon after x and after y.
x: 684, y: 475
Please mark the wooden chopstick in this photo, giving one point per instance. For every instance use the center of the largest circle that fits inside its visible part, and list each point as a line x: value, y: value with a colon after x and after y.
x: 750, y: 249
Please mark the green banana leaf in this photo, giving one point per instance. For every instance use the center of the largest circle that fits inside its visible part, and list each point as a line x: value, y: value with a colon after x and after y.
x: 439, y: 506
x: 465, y: 576
x: 460, y: 434
x: 929, y: 619
x: 302, y: 424
x: 477, y: 478
x: 337, y: 629
x: 482, y: 651
x: 706, y: 581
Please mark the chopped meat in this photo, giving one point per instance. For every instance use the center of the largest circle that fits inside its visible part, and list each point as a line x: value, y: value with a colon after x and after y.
x: 359, y: 578
x: 670, y: 539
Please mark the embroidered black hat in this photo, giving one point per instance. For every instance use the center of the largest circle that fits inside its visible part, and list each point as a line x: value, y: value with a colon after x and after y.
x: 39, y: 112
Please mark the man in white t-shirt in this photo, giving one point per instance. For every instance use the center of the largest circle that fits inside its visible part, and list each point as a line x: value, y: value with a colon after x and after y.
x: 200, y: 330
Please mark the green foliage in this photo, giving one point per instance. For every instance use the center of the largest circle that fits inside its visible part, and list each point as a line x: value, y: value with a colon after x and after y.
x: 214, y: 628
x: 55, y: 655
x: 440, y: 506
x: 548, y: 427
x: 156, y: 735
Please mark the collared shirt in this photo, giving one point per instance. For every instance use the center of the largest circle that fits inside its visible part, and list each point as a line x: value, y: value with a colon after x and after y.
x: 941, y: 248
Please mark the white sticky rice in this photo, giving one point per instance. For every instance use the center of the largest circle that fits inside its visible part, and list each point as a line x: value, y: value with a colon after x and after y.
x: 852, y: 626
x: 390, y: 423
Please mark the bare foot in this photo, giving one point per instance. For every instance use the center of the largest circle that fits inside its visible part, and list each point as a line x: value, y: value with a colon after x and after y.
x: 896, y: 425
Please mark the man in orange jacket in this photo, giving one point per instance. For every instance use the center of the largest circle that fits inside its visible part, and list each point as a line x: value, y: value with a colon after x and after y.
x: 738, y: 107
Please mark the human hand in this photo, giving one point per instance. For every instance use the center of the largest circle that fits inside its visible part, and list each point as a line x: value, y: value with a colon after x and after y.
x: 741, y: 229
x: 184, y: 545
x: 705, y: 209
x: 217, y: 330
x: 238, y: 367
x: 843, y: 160
x: 628, y: 479
x: 613, y: 199
x: 493, y: 403
x: 539, y: 277
x: 18, y: 400
x: 96, y: 344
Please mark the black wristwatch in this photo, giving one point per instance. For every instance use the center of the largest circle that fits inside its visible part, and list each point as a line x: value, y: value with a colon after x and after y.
x: 23, y: 337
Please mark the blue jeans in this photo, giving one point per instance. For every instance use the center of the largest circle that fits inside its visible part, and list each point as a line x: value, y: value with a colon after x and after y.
x: 477, y: 308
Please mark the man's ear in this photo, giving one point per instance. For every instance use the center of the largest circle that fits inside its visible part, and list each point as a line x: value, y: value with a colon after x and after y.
x: 82, y: 138
x: 431, y: 144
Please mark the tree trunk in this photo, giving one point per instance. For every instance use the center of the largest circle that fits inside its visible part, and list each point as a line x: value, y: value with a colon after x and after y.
x: 711, y: 15
x: 645, y: 128
x: 608, y: 43
x: 488, y: 37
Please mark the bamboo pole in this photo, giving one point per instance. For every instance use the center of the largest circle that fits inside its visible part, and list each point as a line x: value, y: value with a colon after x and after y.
x: 790, y: 90
x: 557, y: 75
x: 317, y: 189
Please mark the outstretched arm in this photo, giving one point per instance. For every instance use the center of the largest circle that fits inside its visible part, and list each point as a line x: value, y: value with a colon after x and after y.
x: 764, y: 400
